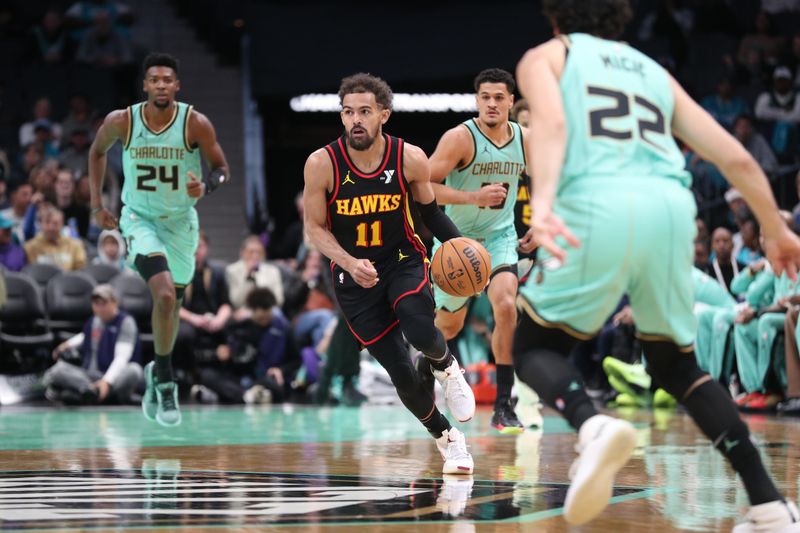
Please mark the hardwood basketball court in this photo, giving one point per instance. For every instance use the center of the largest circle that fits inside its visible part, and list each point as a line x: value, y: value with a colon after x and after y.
x: 371, y: 469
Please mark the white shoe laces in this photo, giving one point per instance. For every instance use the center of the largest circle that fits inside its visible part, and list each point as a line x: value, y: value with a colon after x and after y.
x: 455, y: 385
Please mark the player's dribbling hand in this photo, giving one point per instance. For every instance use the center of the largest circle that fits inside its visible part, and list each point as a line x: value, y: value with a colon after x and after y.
x: 546, y: 226
x: 194, y: 187
x: 491, y: 195
x: 783, y: 252
x: 364, y: 273
x: 105, y: 219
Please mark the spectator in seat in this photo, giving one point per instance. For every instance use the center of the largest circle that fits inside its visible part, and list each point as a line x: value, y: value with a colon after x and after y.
x: 250, y: 271
x: 12, y: 256
x: 205, y: 310
x: 41, y: 111
x: 103, y: 45
x: 111, y: 250
x: 76, y: 154
x: 80, y: 115
x: 724, y: 106
x: 49, y: 42
x: 20, y: 196
x: 762, y: 40
x: 782, y: 103
x: 755, y: 143
x: 724, y: 266
x: 109, y: 368
x: 50, y: 246
x: 76, y: 216
x: 258, y: 361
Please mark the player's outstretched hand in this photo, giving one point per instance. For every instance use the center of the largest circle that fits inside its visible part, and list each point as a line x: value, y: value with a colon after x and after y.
x: 491, y: 195
x: 546, y: 226
x: 364, y: 273
x: 105, y: 219
x: 194, y: 187
x: 783, y: 252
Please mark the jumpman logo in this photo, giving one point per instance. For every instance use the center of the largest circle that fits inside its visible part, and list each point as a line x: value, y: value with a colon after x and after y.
x: 348, y: 179
x: 401, y: 255
x: 486, y: 149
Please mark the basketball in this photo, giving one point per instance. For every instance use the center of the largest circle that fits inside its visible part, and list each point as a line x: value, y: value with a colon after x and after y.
x: 461, y: 267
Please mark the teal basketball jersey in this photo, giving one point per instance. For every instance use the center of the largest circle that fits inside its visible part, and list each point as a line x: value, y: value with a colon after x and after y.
x: 155, y: 164
x: 618, y: 105
x: 490, y: 164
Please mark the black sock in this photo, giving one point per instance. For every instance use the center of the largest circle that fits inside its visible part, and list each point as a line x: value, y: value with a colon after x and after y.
x: 505, y: 380
x: 436, y: 424
x: 717, y: 416
x: 443, y: 363
x: 164, y: 368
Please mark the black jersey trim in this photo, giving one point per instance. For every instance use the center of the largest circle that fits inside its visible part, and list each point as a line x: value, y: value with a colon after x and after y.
x: 511, y: 140
x: 474, y: 148
x: 567, y: 44
x: 129, y: 136
x: 335, y: 190
x: 166, y: 127
x: 522, y: 145
x: 186, y: 129
x: 358, y: 172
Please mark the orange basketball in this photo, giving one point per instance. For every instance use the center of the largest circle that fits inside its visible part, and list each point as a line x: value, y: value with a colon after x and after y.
x: 461, y: 267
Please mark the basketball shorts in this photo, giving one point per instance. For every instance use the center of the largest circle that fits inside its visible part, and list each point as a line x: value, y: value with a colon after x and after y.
x: 636, y: 239
x: 174, y: 237
x: 502, y: 247
x: 370, y: 312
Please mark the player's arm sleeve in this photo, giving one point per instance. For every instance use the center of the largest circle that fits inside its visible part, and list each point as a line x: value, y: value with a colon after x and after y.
x: 440, y: 224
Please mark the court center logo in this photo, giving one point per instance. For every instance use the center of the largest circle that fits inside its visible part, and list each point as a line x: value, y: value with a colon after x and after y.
x: 161, y: 495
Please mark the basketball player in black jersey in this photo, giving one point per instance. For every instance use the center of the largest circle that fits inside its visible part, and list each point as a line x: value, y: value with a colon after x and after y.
x: 358, y: 194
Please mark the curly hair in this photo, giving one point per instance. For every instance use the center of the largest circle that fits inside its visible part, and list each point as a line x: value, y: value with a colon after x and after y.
x: 158, y: 59
x: 367, y: 83
x: 495, y: 75
x: 601, y: 18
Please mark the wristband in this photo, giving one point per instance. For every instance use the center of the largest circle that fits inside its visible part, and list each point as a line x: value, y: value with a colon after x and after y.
x: 214, y: 179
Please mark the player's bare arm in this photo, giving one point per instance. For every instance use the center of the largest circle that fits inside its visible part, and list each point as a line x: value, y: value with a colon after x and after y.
x: 417, y: 169
x: 538, y: 73
x: 203, y: 135
x: 693, y: 125
x: 456, y: 149
x: 114, y: 128
x: 318, y: 174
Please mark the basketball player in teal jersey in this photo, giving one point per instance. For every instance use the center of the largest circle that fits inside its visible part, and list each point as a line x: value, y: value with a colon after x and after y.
x: 475, y: 173
x: 613, y: 214
x: 163, y: 144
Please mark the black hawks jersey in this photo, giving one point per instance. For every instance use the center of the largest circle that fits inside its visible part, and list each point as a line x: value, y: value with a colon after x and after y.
x: 522, y: 208
x: 369, y: 214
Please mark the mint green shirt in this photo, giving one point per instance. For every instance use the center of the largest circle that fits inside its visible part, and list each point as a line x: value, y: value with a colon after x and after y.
x: 618, y: 105
x: 490, y: 164
x: 155, y: 164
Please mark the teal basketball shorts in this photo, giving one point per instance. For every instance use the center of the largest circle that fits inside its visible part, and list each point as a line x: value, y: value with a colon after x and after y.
x: 502, y: 247
x: 637, y: 239
x: 174, y: 237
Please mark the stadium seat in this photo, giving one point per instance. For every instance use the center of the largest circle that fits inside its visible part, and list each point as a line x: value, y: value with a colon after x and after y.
x: 101, y: 272
x: 69, y: 302
x: 134, y: 296
x: 23, y: 326
x: 41, y: 273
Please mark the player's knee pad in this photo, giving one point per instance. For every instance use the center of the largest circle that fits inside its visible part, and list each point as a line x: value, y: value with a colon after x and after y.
x: 675, y: 370
x: 150, y: 265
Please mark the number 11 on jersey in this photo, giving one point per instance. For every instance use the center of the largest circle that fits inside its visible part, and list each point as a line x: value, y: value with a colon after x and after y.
x: 376, y: 237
